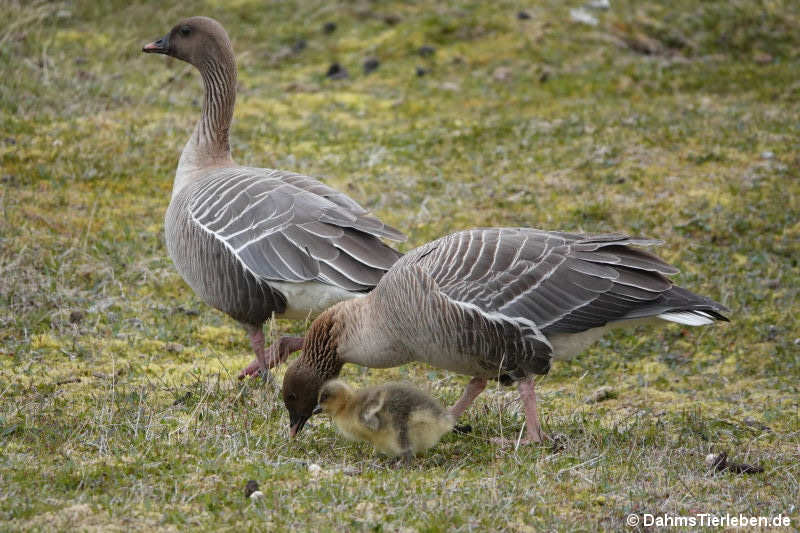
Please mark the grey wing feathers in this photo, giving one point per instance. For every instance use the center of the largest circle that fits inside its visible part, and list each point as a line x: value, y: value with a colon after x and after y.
x: 368, y: 223
x: 288, y: 227
x: 562, y: 282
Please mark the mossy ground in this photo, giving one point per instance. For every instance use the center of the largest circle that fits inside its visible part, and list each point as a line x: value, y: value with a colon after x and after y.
x: 680, y: 120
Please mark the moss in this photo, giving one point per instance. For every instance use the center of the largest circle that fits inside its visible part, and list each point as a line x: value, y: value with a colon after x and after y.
x: 672, y: 120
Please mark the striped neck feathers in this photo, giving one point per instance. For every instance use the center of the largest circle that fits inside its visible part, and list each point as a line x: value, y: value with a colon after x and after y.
x: 322, y: 341
x: 209, y: 145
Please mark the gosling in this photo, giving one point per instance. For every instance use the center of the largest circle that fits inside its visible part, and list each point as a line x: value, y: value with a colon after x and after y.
x: 398, y: 419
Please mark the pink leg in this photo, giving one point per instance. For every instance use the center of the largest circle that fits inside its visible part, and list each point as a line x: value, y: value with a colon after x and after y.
x: 257, y: 340
x: 527, y: 393
x: 533, y: 429
x: 270, y: 357
x: 474, y: 388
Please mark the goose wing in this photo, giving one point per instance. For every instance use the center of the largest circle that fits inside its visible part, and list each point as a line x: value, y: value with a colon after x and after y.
x: 289, y: 227
x: 561, y: 282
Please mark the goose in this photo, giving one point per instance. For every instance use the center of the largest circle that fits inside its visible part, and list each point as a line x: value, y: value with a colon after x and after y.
x: 495, y: 303
x: 397, y: 418
x: 255, y: 242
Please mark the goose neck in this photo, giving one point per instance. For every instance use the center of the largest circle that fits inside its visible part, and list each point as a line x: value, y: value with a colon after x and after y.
x: 209, y: 145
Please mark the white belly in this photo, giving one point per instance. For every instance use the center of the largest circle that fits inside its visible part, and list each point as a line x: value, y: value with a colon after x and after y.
x: 568, y: 345
x: 310, y: 298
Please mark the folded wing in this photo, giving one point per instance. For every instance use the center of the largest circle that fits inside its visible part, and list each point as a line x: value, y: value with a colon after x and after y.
x: 288, y: 227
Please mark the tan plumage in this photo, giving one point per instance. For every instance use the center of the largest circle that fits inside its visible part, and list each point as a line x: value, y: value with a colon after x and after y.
x: 396, y: 418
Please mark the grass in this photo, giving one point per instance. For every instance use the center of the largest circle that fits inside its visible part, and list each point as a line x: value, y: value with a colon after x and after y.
x: 119, y: 407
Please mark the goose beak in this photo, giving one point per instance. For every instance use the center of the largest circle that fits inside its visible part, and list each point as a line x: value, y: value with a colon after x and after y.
x: 296, y: 423
x: 156, y: 47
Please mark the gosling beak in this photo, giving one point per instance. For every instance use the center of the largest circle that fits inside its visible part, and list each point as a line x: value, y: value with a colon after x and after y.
x: 317, y: 410
x: 296, y: 423
x: 157, y: 47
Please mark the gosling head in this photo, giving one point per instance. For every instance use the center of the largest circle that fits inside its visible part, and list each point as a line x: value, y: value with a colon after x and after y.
x: 333, y: 397
x: 196, y: 40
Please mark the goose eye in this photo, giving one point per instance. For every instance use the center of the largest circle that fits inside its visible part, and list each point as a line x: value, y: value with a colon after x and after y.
x: 185, y: 31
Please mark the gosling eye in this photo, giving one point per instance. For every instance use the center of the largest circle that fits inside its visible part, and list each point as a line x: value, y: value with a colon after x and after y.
x: 185, y: 31
x: 323, y: 397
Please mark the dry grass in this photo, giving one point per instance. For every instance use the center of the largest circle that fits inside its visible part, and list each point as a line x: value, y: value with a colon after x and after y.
x: 119, y: 407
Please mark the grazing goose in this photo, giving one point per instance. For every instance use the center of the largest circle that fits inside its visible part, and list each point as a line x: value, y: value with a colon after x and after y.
x: 493, y: 303
x: 396, y: 418
x: 255, y: 242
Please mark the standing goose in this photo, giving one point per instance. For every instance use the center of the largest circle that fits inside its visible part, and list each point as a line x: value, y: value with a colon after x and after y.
x: 256, y: 242
x: 494, y: 303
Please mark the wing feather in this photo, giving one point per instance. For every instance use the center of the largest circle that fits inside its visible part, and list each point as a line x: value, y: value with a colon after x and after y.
x: 289, y: 227
x: 562, y: 282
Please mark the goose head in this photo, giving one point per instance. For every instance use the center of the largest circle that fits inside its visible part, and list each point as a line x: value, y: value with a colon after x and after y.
x: 306, y: 375
x: 196, y: 40
x: 301, y: 386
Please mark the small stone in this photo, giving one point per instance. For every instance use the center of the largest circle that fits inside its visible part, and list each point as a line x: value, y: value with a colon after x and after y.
x: 600, y: 395
x: 753, y: 423
x: 502, y: 73
x: 599, y: 4
x: 299, y: 45
x: 314, y: 469
x: 762, y: 58
x: 183, y: 399
x: 772, y: 332
x: 421, y: 71
x: 174, y: 347
x: 579, y: 14
x: 426, y: 50
x: 328, y: 28
x: 76, y: 316
x: 336, y: 72
x: 251, y: 488
x: 371, y: 64
x: 391, y: 20
x: 719, y: 462
x: 767, y: 155
x: 523, y: 15
x: 257, y: 495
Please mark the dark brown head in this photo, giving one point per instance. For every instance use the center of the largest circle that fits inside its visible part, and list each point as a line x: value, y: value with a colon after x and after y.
x: 301, y: 386
x: 194, y: 40
x: 319, y: 363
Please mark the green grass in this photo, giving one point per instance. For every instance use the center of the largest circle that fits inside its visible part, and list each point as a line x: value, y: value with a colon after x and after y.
x: 119, y: 407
